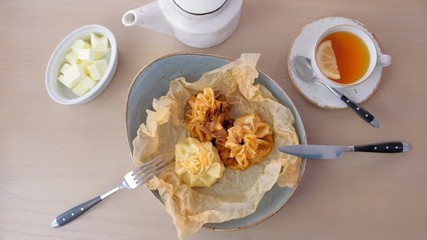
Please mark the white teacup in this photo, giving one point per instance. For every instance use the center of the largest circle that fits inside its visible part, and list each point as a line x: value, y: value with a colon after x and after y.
x: 376, y: 58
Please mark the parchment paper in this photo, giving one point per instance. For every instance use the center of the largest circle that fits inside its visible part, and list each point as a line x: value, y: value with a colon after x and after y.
x: 238, y: 193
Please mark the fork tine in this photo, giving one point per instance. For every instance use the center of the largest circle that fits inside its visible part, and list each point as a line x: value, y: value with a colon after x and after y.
x: 152, y: 161
x: 148, y: 165
x: 151, y: 172
x: 145, y: 176
x: 148, y: 170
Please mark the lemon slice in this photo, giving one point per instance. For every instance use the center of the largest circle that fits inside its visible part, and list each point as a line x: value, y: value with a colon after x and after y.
x: 326, y: 60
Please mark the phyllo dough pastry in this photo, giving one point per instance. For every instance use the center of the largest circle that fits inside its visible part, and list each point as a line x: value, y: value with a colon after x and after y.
x: 198, y: 163
x: 248, y: 142
x: 205, y: 114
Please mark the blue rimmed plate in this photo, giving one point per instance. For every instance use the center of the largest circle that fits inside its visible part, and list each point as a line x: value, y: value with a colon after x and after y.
x: 153, y: 81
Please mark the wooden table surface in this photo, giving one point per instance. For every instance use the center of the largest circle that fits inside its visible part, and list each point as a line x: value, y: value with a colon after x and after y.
x: 53, y: 157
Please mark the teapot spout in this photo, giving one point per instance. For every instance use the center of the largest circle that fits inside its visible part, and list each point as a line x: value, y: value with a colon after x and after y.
x: 149, y: 16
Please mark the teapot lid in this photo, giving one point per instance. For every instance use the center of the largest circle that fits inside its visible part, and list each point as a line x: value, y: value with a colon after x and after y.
x: 200, y: 7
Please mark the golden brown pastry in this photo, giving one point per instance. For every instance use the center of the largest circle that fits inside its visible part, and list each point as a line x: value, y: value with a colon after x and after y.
x: 248, y: 142
x: 197, y: 163
x: 224, y: 153
x: 205, y: 114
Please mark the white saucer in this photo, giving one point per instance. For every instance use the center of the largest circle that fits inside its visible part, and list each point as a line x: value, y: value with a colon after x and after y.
x: 317, y: 93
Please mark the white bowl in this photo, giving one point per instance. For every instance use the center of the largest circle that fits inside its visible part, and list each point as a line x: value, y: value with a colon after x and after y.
x: 56, y: 90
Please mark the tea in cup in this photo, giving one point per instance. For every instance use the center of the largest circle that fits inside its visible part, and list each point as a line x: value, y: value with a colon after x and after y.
x: 345, y: 56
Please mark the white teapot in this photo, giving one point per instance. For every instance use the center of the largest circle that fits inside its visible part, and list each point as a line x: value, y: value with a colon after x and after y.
x: 196, y: 23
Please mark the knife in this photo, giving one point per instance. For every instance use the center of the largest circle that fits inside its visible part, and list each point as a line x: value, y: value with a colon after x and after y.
x: 335, y: 152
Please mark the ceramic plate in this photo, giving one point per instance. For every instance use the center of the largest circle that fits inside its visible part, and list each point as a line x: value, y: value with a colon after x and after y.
x: 153, y: 82
x: 317, y: 93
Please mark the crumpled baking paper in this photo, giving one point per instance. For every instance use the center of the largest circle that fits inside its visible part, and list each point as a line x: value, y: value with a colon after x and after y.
x: 238, y: 193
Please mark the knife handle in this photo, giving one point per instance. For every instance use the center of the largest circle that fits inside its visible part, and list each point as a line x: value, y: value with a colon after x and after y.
x: 387, y: 147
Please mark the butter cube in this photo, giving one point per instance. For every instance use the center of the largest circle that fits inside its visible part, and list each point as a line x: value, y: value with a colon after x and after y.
x: 71, y: 57
x: 64, y: 68
x: 99, y: 43
x: 86, y: 54
x: 97, y: 69
x: 84, y: 64
x: 88, y: 82
x: 100, y: 54
x: 80, y: 44
x: 60, y: 78
x: 80, y: 89
x: 71, y: 76
x: 84, y: 86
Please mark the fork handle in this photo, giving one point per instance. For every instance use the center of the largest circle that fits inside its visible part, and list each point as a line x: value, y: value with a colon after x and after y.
x: 74, y: 212
x: 78, y: 210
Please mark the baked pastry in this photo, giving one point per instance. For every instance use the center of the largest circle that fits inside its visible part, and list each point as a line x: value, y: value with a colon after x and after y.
x: 198, y: 163
x: 205, y: 114
x: 248, y: 142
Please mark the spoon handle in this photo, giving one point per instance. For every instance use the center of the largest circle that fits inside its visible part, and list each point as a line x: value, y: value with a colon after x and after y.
x: 361, y: 112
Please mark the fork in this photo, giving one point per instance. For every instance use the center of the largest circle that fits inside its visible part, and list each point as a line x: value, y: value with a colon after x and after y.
x: 132, y: 180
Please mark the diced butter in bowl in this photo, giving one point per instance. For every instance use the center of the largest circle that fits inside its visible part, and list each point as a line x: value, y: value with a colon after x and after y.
x: 82, y: 65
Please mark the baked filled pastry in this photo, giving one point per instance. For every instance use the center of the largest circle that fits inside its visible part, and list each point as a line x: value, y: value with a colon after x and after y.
x: 205, y: 114
x: 198, y: 163
x: 248, y: 142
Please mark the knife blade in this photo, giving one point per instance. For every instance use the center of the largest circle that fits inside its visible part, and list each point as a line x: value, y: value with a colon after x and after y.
x: 335, y: 152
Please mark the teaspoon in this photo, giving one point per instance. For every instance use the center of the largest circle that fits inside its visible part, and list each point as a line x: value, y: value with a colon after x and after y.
x: 302, y: 68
